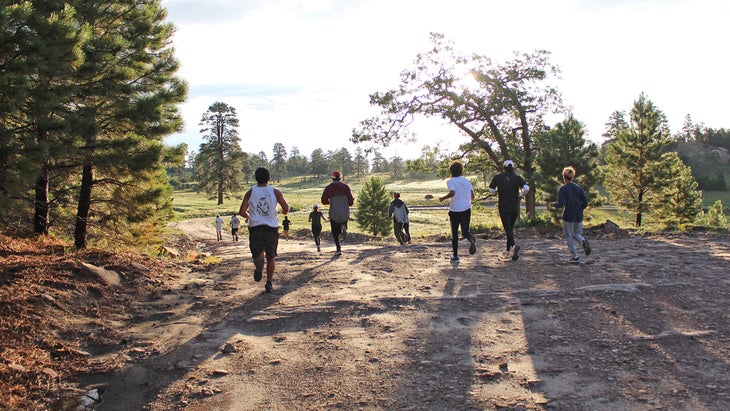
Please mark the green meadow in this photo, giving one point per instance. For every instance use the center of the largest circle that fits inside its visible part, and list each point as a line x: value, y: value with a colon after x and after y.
x: 428, y: 222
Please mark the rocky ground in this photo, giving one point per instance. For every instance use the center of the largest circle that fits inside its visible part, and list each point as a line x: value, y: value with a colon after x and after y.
x: 640, y: 324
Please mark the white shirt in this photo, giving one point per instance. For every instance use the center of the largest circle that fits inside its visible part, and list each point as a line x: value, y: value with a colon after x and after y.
x: 262, y: 207
x: 462, y: 188
x: 235, y: 221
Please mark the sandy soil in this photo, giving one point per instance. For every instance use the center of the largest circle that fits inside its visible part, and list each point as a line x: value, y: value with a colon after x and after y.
x: 641, y: 324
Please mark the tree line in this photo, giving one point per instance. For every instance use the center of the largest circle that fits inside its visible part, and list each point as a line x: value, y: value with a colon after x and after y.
x: 89, y: 91
x: 501, y: 108
x: 219, y: 167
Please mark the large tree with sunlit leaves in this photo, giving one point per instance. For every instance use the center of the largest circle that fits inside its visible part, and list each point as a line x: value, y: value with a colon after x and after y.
x: 497, y: 106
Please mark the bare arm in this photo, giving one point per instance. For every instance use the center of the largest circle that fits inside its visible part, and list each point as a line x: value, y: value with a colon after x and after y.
x: 243, y: 211
x: 282, y: 202
x: 451, y: 194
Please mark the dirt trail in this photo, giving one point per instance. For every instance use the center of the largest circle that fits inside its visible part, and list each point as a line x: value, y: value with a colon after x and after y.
x: 641, y: 324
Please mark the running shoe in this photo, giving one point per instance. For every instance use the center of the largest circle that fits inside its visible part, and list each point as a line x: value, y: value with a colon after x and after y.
x: 515, y: 252
x: 575, y: 260
x: 259, y: 270
x: 269, y: 287
x: 586, y: 247
x: 455, y: 259
x: 472, y: 245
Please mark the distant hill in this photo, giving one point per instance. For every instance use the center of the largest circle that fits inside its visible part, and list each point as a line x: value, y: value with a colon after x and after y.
x: 707, y: 162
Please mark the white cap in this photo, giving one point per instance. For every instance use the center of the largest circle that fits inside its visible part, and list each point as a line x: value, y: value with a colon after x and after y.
x: 508, y: 163
x: 315, y: 206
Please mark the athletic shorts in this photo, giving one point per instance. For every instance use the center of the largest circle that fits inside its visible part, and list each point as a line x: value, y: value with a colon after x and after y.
x: 263, y: 238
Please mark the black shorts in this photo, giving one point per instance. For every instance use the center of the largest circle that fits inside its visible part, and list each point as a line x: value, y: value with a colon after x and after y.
x: 263, y: 238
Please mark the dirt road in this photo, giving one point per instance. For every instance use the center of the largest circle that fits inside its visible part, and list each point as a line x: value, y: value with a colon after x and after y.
x: 641, y: 324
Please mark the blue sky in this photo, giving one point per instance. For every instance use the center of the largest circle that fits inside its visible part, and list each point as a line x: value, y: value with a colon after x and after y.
x: 299, y: 72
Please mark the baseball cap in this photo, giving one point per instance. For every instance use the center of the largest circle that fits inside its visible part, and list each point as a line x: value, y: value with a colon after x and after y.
x: 315, y: 206
x: 336, y: 175
x: 508, y: 163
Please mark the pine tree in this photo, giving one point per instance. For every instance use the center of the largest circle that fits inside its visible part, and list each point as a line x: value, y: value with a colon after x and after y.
x: 125, y: 104
x: 219, y: 162
x: 634, y: 161
x: 40, y: 49
x: 297, y: 164
x: 565, y: 145
x: 278, y: 161
x: 318, y: 163
x: 679, y: 201
x: 397, y: 167
x: 360, y: 163
x: 372, y: 208
x: 342, y: 160
x: 715, y: 216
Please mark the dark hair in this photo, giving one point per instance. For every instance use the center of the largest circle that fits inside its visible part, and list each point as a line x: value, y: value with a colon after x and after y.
x: 456, y: 168
x: 262, y: 175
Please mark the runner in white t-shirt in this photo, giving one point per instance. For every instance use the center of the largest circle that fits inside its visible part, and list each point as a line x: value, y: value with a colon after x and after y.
x: 461, y: 194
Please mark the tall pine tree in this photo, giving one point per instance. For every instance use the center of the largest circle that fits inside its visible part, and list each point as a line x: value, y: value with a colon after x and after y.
x: 278, y: 161
x: 219, y: 162
x: 125, y: 104
x: 634, y: 161
x: 40, y: 49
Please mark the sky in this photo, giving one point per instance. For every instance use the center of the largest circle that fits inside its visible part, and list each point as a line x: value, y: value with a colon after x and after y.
x: 300, y: 72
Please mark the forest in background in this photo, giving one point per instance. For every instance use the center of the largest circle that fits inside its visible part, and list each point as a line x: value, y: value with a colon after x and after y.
x: 89, y: 94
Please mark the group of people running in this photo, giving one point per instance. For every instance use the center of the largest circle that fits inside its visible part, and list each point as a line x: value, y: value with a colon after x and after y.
x: 259, y: 210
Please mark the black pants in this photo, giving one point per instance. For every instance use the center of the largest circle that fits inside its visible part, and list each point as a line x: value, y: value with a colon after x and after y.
x: 316, y: 232
x: 459, y: 219
x: 398, y: 231
x: 336, y: 231
x: 509, y: 218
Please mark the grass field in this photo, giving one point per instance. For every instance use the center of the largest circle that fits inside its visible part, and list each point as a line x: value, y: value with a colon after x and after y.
x: 302, y: 195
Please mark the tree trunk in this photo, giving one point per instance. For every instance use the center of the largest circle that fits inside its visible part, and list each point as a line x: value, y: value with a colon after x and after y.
x: 530, y: 203
x: 638, y: 211
x: 82, y: 213
x: 220, y: 191
x: 41, y: 216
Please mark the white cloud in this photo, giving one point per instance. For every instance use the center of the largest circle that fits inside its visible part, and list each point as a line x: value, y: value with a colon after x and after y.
x: 299, y: 72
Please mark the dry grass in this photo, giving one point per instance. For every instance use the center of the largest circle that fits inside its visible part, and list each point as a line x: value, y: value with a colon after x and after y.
x: 52, y: 316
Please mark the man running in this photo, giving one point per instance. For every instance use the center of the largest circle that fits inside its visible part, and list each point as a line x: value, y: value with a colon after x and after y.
x: 339, y: 197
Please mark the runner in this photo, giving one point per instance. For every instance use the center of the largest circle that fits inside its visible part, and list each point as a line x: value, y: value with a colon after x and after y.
x: 510, y: 189
x: 574, y: 200
x: 339, y: 197
x: 461, y: 193
x: 316, y: 217
x: 259, y: 210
